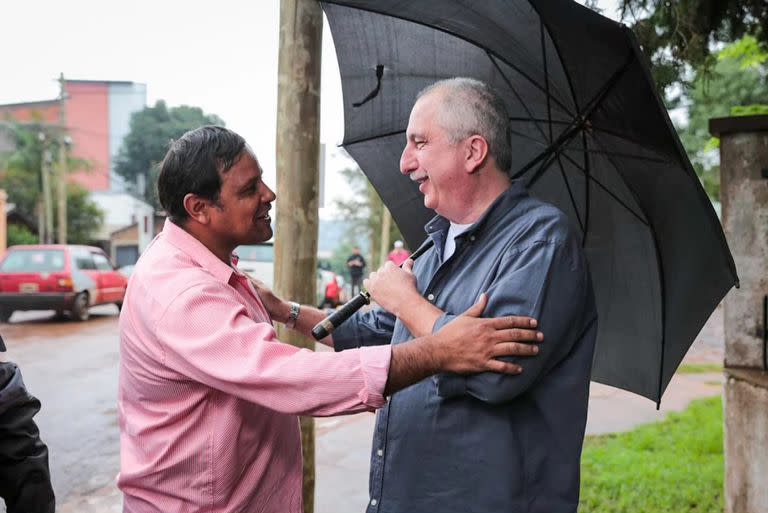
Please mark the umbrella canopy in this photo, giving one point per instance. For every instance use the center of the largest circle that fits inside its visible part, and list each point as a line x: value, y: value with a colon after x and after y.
x: 589, y: 134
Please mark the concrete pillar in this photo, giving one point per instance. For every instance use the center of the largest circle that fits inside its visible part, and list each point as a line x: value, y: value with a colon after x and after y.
x: 3, y: 223
x: 744, y: 195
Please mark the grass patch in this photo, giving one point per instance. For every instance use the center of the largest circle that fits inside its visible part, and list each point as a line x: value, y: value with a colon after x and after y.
x: 674, y: 466
x: 699, y: 368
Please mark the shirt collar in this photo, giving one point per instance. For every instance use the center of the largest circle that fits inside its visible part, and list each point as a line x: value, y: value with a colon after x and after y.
x: 498, y: 209
x: 197, y: 251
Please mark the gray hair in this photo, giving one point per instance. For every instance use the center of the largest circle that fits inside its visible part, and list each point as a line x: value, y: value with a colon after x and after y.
x: 471, y: 107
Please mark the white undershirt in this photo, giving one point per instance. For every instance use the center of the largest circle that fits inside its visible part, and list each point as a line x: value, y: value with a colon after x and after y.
x: 450, y: 243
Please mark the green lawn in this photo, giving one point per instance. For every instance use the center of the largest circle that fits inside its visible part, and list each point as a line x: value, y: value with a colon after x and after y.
x: 674, y: 466
x: 699, y: 368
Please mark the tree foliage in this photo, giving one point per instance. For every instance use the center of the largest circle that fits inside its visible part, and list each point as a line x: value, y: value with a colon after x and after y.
x: 20, y: 174
x: 735, y: 85
x: 151, y: 130
x: 365, y: 209
x: 18, y: 234
x: 680, y: 35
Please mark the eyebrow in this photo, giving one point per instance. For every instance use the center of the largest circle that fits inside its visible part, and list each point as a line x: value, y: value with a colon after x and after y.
x: 416, y: 135
x: 250, y: 182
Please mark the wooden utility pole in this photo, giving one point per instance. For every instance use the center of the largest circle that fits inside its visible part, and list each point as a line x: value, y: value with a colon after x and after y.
x: 298, y: 143
x: 386, y: 225
x: 45, y: 174
x: 61, y: 182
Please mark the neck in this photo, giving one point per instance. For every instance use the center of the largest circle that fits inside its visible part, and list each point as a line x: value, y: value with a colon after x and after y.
x: 487, y: 185
x: 222, y: 251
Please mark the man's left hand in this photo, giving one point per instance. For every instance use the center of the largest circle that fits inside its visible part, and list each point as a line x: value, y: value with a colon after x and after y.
x: 393, y: 287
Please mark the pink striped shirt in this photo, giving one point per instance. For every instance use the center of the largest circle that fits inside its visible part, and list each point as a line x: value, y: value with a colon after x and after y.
x: 209, y: 398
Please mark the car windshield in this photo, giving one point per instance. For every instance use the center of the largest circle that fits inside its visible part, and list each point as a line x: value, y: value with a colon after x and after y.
x: 33, y: 261
x: 256, y: 253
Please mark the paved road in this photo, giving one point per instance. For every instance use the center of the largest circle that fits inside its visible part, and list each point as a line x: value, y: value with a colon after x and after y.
x: 72, y: 368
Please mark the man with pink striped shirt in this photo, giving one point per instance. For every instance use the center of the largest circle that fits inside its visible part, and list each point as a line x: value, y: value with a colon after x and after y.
x: 208, y: 397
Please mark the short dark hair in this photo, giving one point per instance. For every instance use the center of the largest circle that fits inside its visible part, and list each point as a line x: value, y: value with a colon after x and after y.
x: 194, y: 164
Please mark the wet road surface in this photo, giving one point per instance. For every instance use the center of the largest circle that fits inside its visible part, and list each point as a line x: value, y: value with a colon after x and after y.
x: 72, y: 368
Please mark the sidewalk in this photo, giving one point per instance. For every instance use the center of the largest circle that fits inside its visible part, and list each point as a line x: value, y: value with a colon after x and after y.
x: 343, y: 444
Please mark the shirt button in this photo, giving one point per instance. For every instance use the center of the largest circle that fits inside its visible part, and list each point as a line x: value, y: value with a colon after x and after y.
x: 431, y: 297
x: 471, y: 237
x: 374, y: 502
x: 380, y: 453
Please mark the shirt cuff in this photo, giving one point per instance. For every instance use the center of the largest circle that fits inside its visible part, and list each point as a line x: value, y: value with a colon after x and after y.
x: 374, y: 362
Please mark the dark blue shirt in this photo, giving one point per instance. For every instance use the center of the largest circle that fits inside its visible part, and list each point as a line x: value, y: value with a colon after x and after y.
x: 491, y: 442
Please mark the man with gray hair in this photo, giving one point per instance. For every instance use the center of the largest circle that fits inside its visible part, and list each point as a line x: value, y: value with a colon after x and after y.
x: 486, y: 442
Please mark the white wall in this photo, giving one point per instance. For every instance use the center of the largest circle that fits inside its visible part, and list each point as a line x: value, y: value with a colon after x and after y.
x: 121, y: 210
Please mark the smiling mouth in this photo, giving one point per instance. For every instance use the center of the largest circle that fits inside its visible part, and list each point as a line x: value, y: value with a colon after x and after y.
x: 265, y: 216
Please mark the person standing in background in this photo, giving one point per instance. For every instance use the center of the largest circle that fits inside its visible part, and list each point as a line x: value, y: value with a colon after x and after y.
x: 399, y: 254
x: 356, y: 266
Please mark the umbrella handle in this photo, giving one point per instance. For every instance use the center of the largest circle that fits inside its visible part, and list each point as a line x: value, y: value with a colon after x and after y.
x: 325, y: 327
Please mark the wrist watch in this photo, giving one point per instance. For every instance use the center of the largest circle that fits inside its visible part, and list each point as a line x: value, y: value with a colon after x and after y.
x: 293, y: 314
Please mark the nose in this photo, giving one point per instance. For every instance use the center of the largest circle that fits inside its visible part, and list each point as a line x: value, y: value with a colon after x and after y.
x: 407, y: 161
x: 268, y: 196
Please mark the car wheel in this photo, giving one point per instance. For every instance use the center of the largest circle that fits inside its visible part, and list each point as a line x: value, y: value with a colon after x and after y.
x: 80, y: 307
x: 5, y: 314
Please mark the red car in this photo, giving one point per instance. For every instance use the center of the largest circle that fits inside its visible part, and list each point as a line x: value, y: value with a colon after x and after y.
x: 58, y: 277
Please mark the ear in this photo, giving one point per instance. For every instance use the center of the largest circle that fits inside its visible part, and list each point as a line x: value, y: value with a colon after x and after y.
x: 197, y: 208
x: 477, y: 153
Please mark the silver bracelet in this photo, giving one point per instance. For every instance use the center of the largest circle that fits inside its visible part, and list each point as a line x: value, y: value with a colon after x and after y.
x: 293, y: 314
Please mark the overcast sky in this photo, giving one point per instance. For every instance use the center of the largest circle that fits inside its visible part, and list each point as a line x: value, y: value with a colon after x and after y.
x: 220, y: 56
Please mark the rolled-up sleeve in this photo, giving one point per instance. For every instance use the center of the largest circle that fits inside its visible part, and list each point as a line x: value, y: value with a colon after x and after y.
x: 207, y: 335
x: 371, y: 328
x: 547, y: 280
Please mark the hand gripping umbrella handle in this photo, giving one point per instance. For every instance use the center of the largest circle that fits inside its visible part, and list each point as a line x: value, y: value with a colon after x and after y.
x: 325, y: 327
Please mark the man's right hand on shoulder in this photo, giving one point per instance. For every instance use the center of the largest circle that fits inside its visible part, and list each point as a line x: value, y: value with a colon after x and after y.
x: 468, y: 344
x: 471, y: 344
x: 275, y: 306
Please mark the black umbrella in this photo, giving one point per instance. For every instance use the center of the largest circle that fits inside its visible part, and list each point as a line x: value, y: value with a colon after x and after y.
x: 589, y: 134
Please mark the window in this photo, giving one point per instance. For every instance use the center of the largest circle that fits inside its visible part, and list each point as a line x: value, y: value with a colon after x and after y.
x: 33, y: 261
x: 256, y: 253
x: 102, y: 262
x: 84, y: 260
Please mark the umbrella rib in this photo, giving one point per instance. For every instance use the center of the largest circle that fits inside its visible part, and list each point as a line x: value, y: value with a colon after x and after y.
x: 370, y: 138
x: 570, y: 194
x: 597, y: 182
x: 619, y: 154
x: 514, y: 91
x: 450, y: 33
x: 591, y: 150
x: 546, y: 81
x: 579, y: 121
x: 588, y: 173
x: 594, y: 128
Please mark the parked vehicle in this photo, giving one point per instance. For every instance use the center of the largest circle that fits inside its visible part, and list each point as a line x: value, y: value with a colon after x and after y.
x: 65, y: 278
x: 258, y: 261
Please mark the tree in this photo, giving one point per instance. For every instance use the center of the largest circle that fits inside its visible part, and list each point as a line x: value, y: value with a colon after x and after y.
x: 151, y: 130
x: 84, y: 217
x: 18, y: 234
x: 365, y: 209
x: 680, y: 35
x: 20, y: 170
x: 736, y: 85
